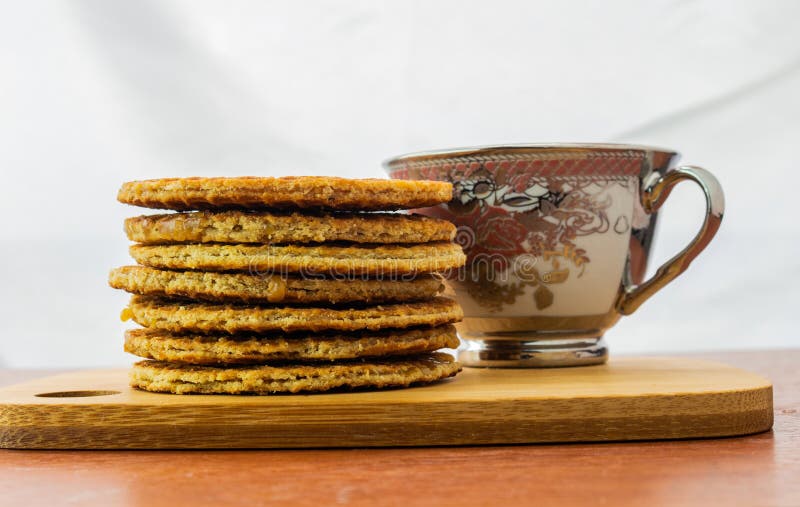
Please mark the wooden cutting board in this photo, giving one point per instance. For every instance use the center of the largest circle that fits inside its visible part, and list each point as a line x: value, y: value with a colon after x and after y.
x: 626, y: 399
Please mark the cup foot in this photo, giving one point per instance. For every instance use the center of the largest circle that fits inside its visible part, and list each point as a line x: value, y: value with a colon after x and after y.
x: 532, y: 353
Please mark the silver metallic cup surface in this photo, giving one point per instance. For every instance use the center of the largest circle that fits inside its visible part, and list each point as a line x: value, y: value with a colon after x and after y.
x: 557, y: 239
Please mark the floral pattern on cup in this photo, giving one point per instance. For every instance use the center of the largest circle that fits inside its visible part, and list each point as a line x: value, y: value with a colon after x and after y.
x: 519, y: 227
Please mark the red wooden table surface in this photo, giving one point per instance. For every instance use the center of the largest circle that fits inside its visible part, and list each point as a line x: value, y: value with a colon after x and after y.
x: 760, y: 469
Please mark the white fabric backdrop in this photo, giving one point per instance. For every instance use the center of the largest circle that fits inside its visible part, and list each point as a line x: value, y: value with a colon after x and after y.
x: 93, y: 93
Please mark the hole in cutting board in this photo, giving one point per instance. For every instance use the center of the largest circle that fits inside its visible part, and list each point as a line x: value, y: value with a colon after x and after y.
x: 75, y: 394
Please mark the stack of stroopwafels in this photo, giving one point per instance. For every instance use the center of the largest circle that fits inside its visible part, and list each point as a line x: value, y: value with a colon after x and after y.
x: 267, y: 285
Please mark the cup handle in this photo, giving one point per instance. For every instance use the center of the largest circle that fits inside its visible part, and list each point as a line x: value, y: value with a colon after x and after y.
x: 652, y: 199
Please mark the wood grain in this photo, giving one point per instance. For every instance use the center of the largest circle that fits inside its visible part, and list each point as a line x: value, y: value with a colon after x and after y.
x: 760, y: 469
x: 627, y: 399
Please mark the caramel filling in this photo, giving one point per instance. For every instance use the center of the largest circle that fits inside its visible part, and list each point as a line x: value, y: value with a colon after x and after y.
x: 126, y: 314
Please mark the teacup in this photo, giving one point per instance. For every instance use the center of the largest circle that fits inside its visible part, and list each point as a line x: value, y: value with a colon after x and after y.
x: 557, y: 239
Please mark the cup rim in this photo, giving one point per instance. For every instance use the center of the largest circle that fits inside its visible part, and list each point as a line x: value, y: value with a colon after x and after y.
x: 519, y: 148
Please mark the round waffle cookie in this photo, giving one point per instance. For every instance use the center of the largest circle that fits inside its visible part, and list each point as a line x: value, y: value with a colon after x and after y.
x: 266, y: 227
x: 288, y: 192
x: 188, y: 316
x: 166, y: 377
x: 240, y: 287
x: 270, y: 348
x: 335, y: 260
